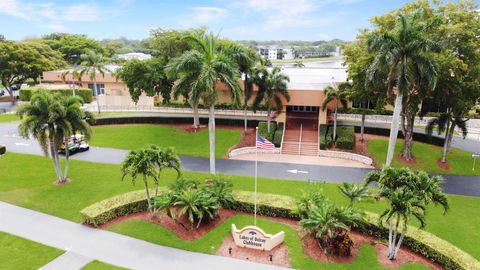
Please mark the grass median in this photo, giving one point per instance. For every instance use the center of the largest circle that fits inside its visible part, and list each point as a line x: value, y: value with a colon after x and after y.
x: 186, y: 143
x: 426, y: 156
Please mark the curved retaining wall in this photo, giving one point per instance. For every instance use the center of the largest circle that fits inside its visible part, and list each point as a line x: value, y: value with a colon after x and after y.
x: 249, y: 150
x: 346, y: 155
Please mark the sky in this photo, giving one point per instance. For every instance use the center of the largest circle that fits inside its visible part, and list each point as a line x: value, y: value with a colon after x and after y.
x: 234, y: 19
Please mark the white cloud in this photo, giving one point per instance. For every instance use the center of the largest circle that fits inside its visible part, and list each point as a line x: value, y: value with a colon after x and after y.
x: 208, y: 14
x: 12, y: 8
x: 82, y: 12
x: 57, y: 27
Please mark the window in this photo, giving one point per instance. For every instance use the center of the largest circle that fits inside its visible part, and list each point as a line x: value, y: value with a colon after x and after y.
x: 100, y: 87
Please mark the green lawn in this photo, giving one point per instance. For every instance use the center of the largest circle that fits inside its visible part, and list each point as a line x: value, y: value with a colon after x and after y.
x: 97, y: 265
x: 8, y: 118
x: 426, y: 156
x: 190, y: 144
x: 22, y: 254
x: 92, y: 182
x: 210, y: 242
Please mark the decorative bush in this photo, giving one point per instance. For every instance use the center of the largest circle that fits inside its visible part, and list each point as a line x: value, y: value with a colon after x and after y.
x: 277, y: 138
x: 419, y: 137
x: 263, y: 130
x: 85, y: 93
x: 345, y: 137
x: 113, y: 120
x: 3, y: 149
x: 326, y: 135
x: 420, y: 241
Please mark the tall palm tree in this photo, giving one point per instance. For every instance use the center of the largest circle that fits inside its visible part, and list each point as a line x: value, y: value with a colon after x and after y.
x: 79, y: 121
x: 402, y: 52
x: 246, y: 59
x: 446, y: 122
x: 91, y: 64
x: 336, y: 95
x: 203, y: 68
x: 45, y: 118
x: 75, y: 76
x: 142, y: 162
x: 272, y: 87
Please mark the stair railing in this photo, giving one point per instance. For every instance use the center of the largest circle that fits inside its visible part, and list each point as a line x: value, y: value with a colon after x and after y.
x: 283, y: 136
x: 318, y: 140
x: 300, y: 140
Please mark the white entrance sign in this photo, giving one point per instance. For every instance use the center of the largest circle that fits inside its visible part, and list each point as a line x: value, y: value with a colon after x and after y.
x: 256, y: 238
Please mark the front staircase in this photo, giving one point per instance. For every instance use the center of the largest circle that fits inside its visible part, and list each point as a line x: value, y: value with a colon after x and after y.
x: 300, y: 140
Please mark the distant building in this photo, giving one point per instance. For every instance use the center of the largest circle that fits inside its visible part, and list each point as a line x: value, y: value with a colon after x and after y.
x: 274, y: 53
x: 134, y: 55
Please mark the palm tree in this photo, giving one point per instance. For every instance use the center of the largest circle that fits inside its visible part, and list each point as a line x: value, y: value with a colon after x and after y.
x: 307, y: 201
x: 167, y: 158
x: 336, y: 95
x: 408, y: 194
x: 91, y: 64
x: 203, y: 68
x: 222, y: 190
x: 354, y: 192
x: 447, y: 123
x: 50, y: 121
x: 272, y: 87
x: 79, y: 123
x: 402, y: 52
x: 298, y: 64
x: 142, y: 162
x: 196, y: 205
x: 246, y: 59
x: 75, y: 76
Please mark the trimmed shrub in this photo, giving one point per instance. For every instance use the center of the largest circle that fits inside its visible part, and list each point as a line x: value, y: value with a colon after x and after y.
x: 277, y: 137
x: 345, y: 137
x: 117, y: 120
x: 420, y: 241
x: 263, y: 130
x: 419, y: 137
x: 85, y: 93
x: 3, y: 149
x: 121, y: 205
x: 325, y: 138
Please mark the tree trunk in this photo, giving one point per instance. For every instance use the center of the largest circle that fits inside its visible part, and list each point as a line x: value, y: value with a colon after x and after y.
x: 67, y: 159
x: 335, y: 122
x: 211, y: 136
x: 56, y: 164
x: 394, y: 240
x: 149, y: 201
x: 395, y: 253
x: 196, y: 120
x: 390, y: 231
x: 269, y: 111
x: 402, y: 123
x: 450, y: 137
x: 408, y: 134
x: 394, y: 129
x: 362, y: 128
x: 245, y: 104
x: 445, y: 143
x: 96, y: 91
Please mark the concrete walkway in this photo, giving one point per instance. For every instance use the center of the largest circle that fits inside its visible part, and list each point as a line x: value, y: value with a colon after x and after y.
x: 68, y: 261
x: 296, y: 159
x: 105, y: 246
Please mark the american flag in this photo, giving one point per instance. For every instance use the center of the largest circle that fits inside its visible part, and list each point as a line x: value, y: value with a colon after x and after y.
x: 263, y: 143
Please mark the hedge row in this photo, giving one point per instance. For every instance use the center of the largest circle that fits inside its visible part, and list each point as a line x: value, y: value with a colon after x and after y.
x: 276, y: 132
x: 219, y: 106
x: 380, y: 111
x: 121, y: 205
x: 420, y: 241
x: 420, y: 137
x: 113, y: 120
x: 3, y: 149
x: 326, y: 135
x: 85, y: 93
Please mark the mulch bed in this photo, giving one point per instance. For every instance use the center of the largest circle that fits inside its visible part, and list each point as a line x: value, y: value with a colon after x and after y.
x: 280, y: 253
x: 443, y: 165
x: 405, y: 161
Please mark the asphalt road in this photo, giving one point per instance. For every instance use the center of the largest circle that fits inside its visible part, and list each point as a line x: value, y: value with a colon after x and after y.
x: 454, y: 184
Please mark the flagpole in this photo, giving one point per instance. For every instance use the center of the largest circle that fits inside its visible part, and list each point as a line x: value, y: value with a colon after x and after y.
x: 255, y: 191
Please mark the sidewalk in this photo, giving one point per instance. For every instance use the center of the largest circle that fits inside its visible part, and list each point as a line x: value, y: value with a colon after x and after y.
x: 106, y: 246
x: 296, y: 159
